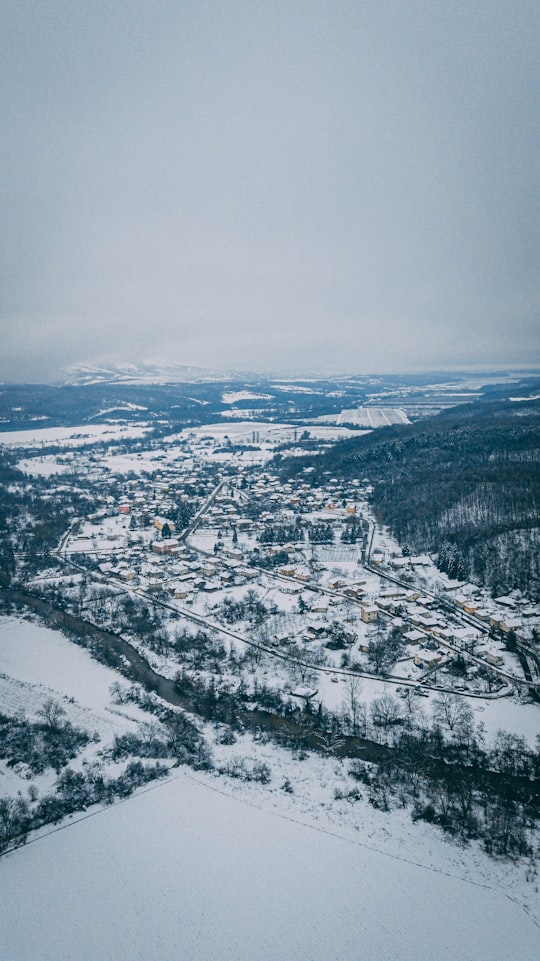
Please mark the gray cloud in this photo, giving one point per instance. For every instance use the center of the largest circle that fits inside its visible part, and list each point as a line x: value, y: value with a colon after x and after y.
x: 346, y: 186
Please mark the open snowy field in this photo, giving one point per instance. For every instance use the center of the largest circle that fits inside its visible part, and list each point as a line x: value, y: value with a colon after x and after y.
x: 42, y: 466
x: 71, y: 436
x: 205, y: 867
x: 243, y: 431
x: 367, y: 417
x: 184, y: 872
x: 37, y: 662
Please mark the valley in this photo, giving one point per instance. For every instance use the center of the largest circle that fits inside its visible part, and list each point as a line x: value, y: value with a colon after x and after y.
x: 223, y: 598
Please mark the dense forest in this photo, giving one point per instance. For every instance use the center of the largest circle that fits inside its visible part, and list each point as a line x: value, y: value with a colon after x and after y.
x: 464, y: 485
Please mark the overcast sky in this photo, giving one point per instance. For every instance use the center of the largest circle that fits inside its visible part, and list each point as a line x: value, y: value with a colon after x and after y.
x: 310, y: 186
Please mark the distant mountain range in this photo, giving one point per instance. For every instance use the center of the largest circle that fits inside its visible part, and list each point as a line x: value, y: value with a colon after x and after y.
x: 81, y: 375
x: 117, y: 373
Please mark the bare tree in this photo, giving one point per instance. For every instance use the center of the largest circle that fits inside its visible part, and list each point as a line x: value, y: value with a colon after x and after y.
x: 410, y: 706
x: 385, y: 712
x: 52, y: 713
x: 351, y: 703
x: 303, y: 726
x: 117, y: 692
x: 452, y: 711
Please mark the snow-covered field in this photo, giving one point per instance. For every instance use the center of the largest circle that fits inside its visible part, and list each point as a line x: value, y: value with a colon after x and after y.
x: 370, y: 417
x: 243, y: 431
x: 234, y: 396
x: 71, y: 436
x: 205, y: 867
x: 37, y: 662
x: 184, y: 871
x: 42, y: 466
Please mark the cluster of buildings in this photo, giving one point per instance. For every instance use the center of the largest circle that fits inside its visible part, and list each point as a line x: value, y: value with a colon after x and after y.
x: 434, y: 624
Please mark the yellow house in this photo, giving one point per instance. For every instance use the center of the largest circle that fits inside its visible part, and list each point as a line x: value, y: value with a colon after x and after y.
x: 369, y: 614
x: 160, y: 522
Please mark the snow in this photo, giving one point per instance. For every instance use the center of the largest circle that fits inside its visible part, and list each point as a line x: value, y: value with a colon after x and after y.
x: 185, y: 871
x: 234, y: 396
x: 507, y: 714
x: 119, y: 407
x: 296, y: 389
x: 370, y: 417
x: 71, y: 436
x: 42, y: 466
x: 207, y: 867
x: 46, y: 662
x: 244, y: 413
x: 331, y: 433
x: 242, y: 432
x: 143, y: 373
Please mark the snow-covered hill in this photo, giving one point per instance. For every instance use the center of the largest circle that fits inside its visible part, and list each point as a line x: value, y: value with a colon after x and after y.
x: 81, y: 375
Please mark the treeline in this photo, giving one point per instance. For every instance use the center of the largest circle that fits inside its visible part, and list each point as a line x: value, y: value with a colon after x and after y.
x: 73, y: 791
x: 10, y: 478
x: 40, y: 745
x: 162, y: 404
x: 33, y: 518
x: 464, y: 485
x: 73, y: 405
x: 281, y: 534
x: 470, y: 793
x: 442, y: 771
x: 250, y: 608
x: 52, y: 742
x: 176, y: 737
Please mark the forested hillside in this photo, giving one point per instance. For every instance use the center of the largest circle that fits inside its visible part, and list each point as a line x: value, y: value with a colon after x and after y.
x: 464, y: 485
